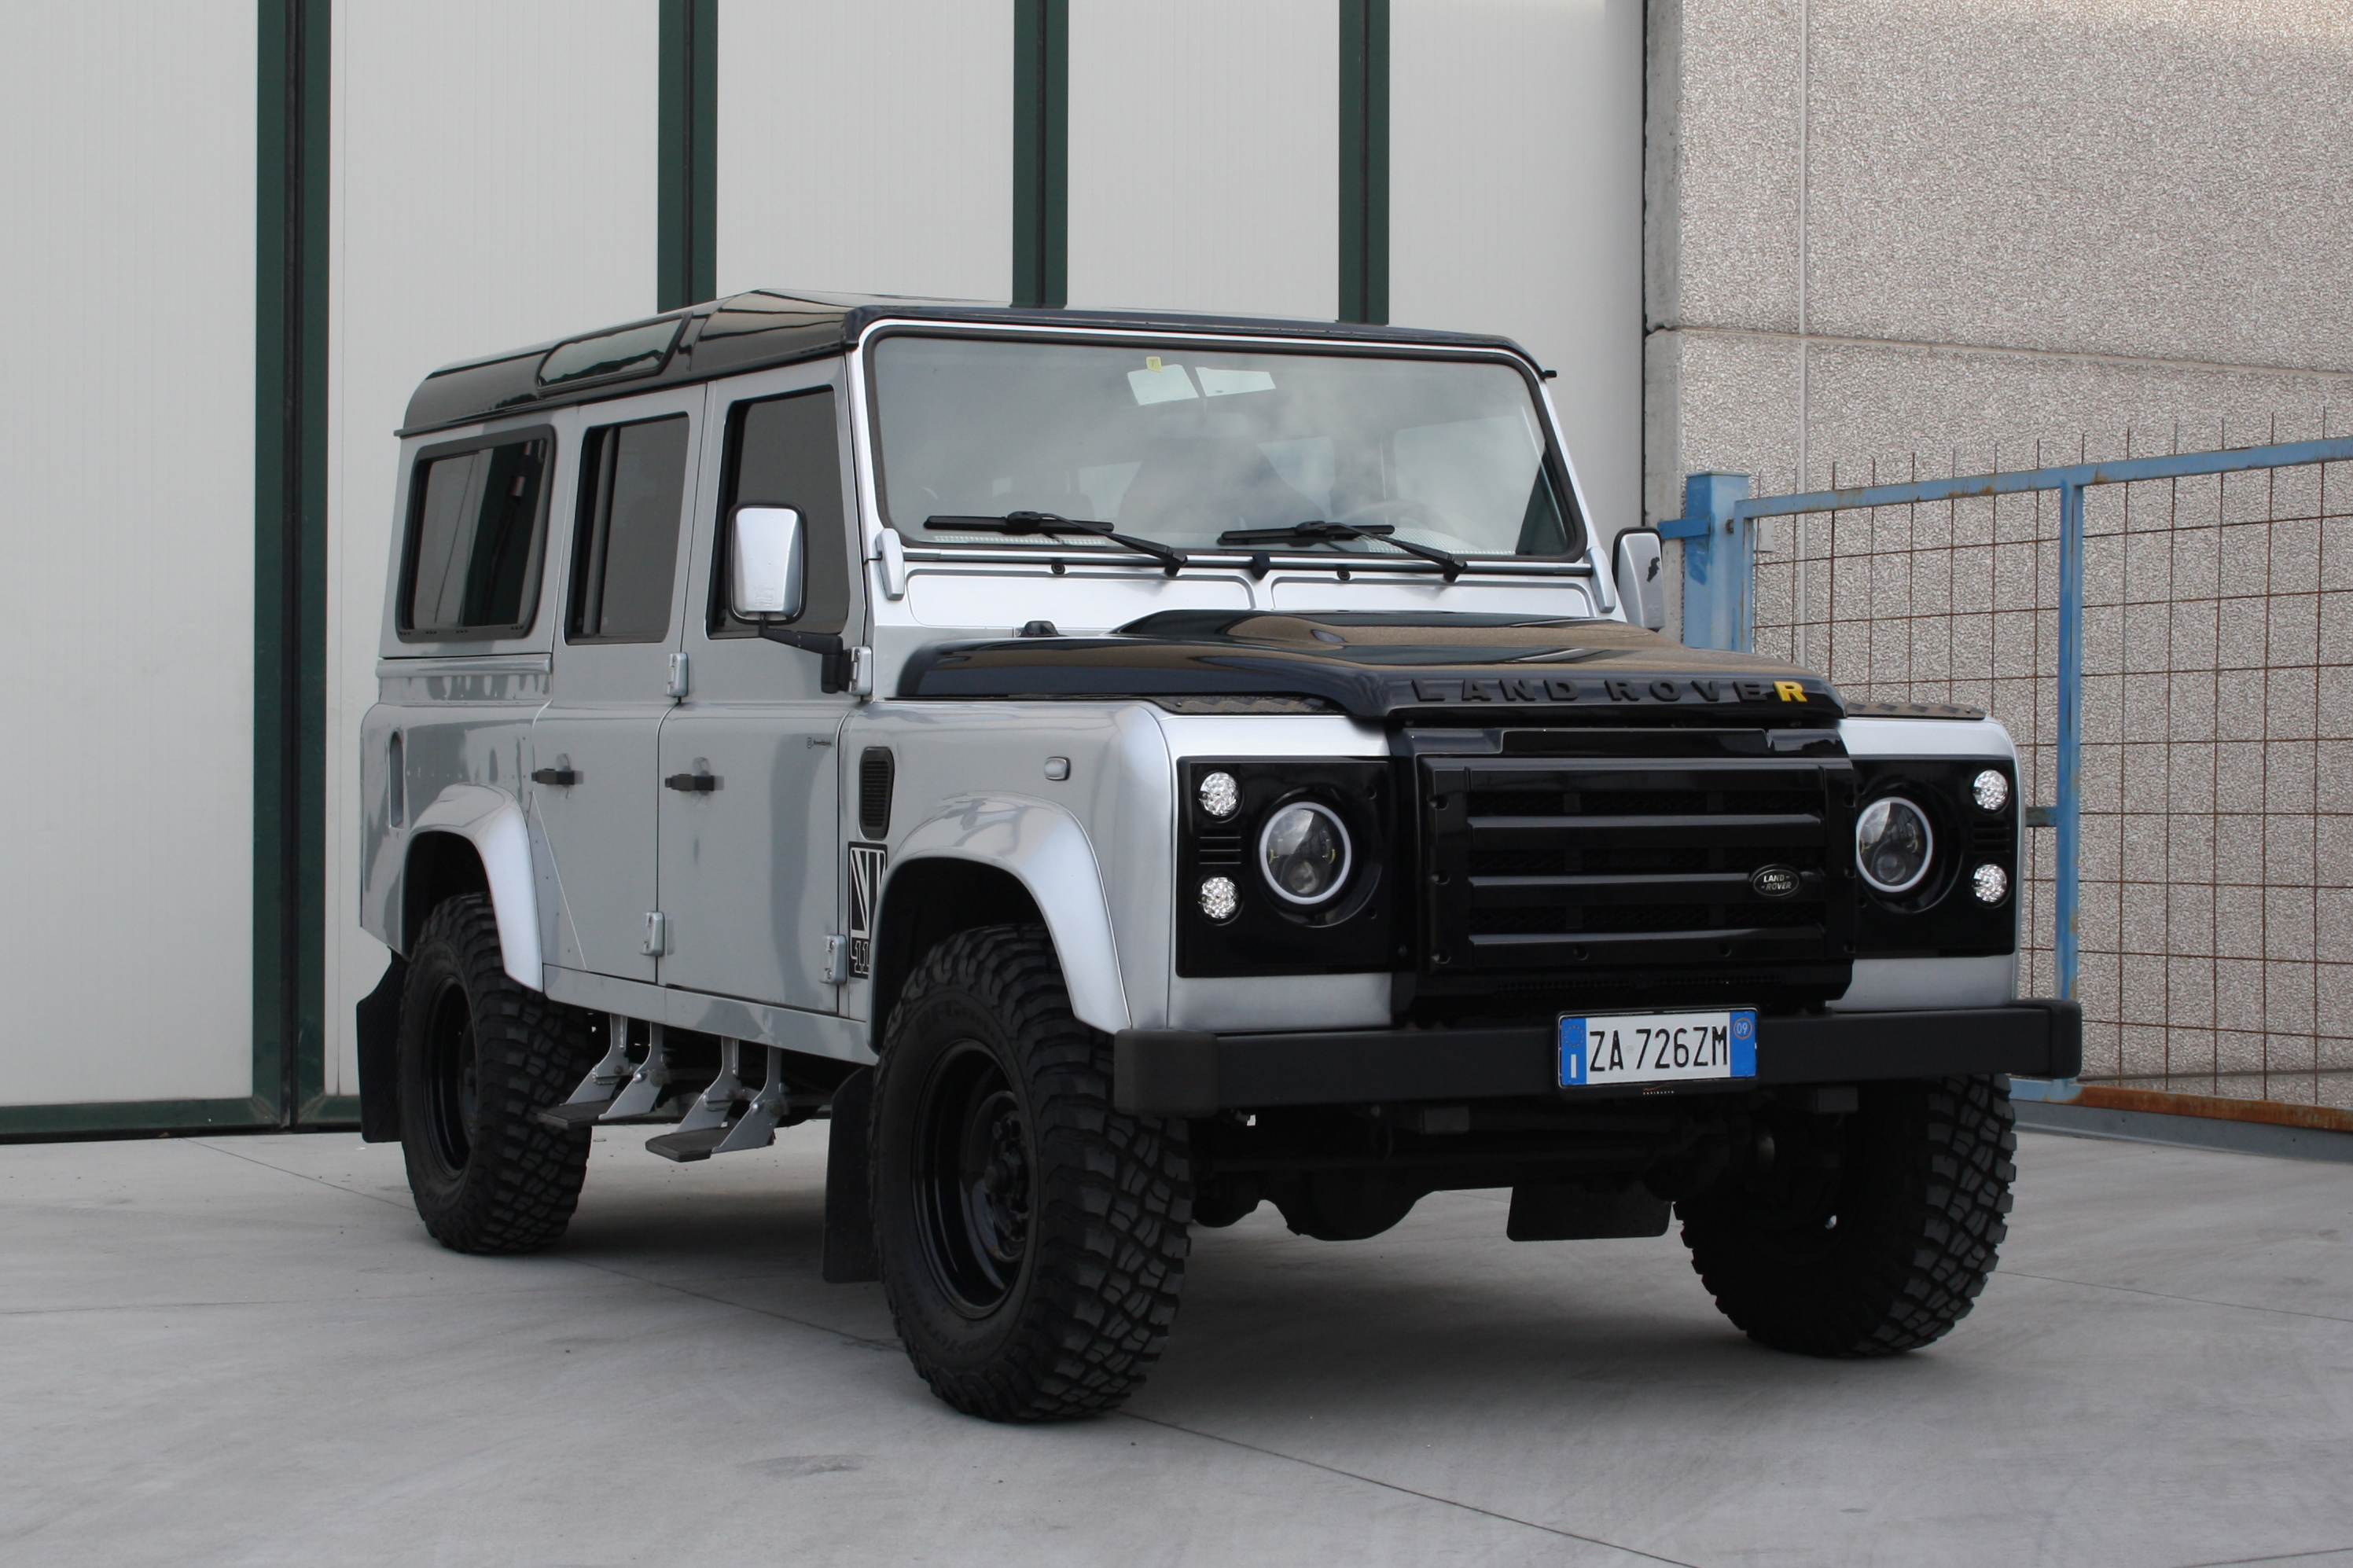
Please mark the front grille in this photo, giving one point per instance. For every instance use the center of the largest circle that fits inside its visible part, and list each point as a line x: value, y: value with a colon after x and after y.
x: 1591, y: 868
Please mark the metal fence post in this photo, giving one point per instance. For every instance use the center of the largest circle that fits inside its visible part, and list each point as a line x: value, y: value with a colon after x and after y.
x: 2066, y: 822
x: 1719, y: 561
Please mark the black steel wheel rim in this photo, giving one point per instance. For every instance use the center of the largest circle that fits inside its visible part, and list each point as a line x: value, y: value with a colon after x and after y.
x: 973, y: 1179
x: 452, y: 1076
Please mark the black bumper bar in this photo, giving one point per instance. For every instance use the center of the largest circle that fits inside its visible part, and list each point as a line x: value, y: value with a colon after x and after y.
x: 1180, y: 1072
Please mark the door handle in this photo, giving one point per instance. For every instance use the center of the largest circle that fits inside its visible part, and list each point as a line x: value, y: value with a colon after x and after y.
x: 693, y: 783
x: 561, y: 778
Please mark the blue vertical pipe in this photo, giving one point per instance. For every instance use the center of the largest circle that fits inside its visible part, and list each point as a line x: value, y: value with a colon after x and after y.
x: 1719, y: 565
x: 2071, y: 729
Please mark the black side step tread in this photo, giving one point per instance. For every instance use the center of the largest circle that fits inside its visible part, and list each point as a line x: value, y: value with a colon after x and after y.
x: 565, y: 1117
x: 686, y: 1146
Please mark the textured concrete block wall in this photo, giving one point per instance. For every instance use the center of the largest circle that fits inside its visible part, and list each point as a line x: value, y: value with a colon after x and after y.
x: 1879, y: 229
x: 1898, y: 238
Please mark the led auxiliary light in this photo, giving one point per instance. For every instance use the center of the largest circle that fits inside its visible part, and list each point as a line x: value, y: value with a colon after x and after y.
x: 1305, y: 852
x: 1990, y: 884
x: 1220, y: 797
x: 1990, y: 789
x: 1893, y: 846
x: 1219, y: 899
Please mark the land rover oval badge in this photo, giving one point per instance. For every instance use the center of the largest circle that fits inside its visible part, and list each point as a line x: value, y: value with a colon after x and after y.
x: 1774, y: 881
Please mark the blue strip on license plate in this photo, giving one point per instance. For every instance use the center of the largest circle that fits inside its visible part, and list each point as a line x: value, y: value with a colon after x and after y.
x: 1657, y: 1047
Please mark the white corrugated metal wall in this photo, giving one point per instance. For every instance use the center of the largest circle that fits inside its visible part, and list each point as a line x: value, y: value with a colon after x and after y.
x: 126, y: 553
x: 483, y: 197
x: 493, y: 179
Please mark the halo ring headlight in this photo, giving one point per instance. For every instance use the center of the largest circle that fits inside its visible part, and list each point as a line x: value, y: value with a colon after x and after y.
x: 1304, y: 852
x: 1893, y: 846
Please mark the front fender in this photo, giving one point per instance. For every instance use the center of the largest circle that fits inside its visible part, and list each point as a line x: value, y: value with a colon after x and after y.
x: 492, y: 821
x: 1042, y: 846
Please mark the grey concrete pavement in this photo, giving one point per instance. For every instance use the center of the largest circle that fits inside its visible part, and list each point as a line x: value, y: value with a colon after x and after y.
x: 246, y: 1352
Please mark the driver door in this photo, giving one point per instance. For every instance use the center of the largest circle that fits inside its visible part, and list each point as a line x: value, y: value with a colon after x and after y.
x: 751, y: 841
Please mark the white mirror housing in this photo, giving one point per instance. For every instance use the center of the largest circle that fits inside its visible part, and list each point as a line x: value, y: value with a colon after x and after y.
x: 764, y: 562
x: 1640, y: 585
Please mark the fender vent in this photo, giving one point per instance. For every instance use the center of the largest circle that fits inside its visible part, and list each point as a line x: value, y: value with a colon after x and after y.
x: 875, y: 768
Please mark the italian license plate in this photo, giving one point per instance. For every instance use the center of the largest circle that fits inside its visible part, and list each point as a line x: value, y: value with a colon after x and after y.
x: 1657, y: 1047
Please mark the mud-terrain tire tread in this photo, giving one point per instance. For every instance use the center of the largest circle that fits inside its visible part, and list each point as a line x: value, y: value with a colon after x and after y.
x: 1918, y: 1250
x: 522, y: 1179
x: 1114, y: 1206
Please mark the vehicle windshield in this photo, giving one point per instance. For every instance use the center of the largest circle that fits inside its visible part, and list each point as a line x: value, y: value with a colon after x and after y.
x: 1181, y: 445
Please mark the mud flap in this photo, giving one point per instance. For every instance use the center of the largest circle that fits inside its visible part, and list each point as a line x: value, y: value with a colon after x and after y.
x: 378, y: 1017
x: 849, y: 1217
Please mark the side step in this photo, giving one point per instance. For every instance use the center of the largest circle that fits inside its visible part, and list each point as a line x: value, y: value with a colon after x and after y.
x: 685, y: 1147
x: 573, y: 1113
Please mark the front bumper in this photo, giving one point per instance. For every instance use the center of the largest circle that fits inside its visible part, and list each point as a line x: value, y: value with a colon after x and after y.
x: 1180, y: 1072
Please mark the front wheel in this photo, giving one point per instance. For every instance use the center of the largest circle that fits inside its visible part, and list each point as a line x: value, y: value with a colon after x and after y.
x: 1032, y: 1238
x: 479, y: 1056
x: 1865, y: 1234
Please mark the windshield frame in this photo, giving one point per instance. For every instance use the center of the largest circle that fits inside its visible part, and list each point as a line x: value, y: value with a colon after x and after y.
x: 1576, y: 559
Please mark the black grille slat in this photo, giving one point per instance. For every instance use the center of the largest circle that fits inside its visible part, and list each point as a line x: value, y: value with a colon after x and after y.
x: 1540, y: 863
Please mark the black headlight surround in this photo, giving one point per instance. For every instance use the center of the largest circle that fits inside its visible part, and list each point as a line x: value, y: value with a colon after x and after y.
x: 1351, y: 931
x: 1941, y: 917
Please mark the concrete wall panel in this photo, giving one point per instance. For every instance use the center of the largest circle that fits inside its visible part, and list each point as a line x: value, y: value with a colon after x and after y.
x: 2107, y: 176
x: 493, y: 185
x: 1204, y: 155
x: 126, y: 551
x: 866, y: 148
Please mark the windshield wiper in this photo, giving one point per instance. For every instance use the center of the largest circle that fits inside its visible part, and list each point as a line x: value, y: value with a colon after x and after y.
x: 1049, y: 523
x: 1320, y: 532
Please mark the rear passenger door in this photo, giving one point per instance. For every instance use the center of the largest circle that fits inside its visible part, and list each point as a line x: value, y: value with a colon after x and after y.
x: 596, y: 745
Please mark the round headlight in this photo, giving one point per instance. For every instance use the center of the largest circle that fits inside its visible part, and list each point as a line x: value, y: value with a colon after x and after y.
x: 1892, y: 844
x: 1990, y: 789
x: 1990, y: 884
x: 1220, y: 795
x: 1304, y: 850
x: 1219, y: 899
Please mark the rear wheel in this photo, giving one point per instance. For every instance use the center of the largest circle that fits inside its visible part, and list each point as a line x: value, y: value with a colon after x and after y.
x: 1032, y: 1240
x: 479, y: 1054
x: 1865, y: 1234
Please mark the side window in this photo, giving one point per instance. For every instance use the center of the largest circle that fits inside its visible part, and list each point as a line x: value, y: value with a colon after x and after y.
x: 786, y: 451
x: 624, y: 551
x: 477, y: 525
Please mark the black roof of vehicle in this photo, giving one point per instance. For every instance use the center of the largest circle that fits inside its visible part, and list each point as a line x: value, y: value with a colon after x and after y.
x: 765, y: 327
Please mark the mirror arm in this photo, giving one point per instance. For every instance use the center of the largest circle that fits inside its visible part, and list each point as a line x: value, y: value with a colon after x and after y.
x: 834, y: 674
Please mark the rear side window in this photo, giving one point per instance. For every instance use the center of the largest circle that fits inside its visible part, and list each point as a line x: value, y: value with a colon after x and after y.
x: 477, y: 526
x: 625, y: 558
x: 787, y: 451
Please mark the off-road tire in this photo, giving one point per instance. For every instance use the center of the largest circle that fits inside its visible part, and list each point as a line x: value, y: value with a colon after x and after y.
x: 1072, y: 1328
x: 486, y: 1175
x: 1896, y: 1252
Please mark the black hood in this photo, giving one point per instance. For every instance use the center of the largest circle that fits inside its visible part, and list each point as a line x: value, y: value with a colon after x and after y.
x: 1374, y: 665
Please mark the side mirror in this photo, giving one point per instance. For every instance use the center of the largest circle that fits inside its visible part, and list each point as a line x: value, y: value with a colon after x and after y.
x: 764, y: 562
x: 1639, y: 585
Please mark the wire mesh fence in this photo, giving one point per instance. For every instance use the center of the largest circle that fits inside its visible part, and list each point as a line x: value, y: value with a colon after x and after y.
x: 2216, y: 870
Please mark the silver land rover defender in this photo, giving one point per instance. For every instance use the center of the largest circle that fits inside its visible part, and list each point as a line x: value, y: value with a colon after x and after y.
x: 1126, y: 769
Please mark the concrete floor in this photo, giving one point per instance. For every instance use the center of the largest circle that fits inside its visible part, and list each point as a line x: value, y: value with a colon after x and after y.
x: 245, y: 1351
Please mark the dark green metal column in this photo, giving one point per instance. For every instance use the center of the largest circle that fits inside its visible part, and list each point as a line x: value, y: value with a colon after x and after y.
x: 1364, y: 161
x: 1042, y: 151
x: 687, y: 263
x: 289, y: 560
